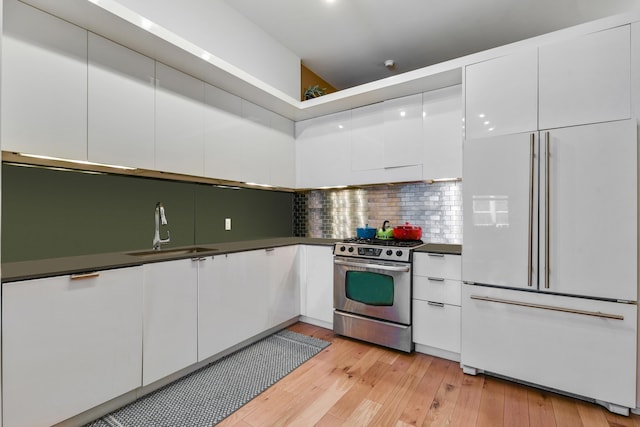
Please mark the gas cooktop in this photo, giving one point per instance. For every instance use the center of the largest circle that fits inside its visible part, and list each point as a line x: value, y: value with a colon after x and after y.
x: 385, y: 242
x: 387, y: 250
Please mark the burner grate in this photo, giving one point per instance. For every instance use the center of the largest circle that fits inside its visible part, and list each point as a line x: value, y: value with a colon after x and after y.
x: 385, y: 242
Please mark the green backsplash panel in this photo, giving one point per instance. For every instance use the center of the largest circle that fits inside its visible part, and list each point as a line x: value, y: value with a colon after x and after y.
x: 49, y: 213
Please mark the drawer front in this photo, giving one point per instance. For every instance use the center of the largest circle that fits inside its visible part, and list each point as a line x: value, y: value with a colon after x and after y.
x: 436, y: 326
x: 550, y: 340
x: 438, y: 265
x: 437, y: 290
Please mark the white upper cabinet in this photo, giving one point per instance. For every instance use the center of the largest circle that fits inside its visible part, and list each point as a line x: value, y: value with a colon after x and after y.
x: 573, y: 82
x: 442, y: 130
x: 223, y: 122
x: 121, y: 105
x: 367, y: 137
x: 403, y: 131
x: 323, y: 154
x: 586, y: 79
x: 255, y: 140
x: 282, y: 154
x: 179, y: 122
x: 44, y: 84
x: 245, y: 142
x: 502, y: 95
x: 386, y: 141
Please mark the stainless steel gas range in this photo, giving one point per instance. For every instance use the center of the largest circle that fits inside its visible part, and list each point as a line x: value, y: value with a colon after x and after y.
x: 372, y: 282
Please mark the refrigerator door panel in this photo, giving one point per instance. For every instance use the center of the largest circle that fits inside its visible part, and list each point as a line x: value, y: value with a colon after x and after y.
x: 500, y: 175
x: 577, y: 345
x: 591, y: 218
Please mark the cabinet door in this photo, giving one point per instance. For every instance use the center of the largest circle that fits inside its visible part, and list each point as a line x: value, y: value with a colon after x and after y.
x: 403, y: 140
x: 592, y: 217
x: 442, y: 266
x: 44, y: 84
x: 170, y: 327
x: 220, y: 299
x: 323, y: 155
x: 367, y: 137
x: 223, y: 125
x: 255, y: 138
x: 121, y: 105
x: 282, y: 155
x: 499, y: 218
x: 317, y: 289
x: 548, y: 340
x: 502, y: 95
x: 442, y: 133
x: 284, y: 289
x: 586, y: 79
x: 179, y: 122
x: 69, y: 343
x: 436, y: 325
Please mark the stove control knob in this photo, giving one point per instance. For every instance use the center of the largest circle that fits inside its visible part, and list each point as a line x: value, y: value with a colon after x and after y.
x: 389, y: 252
x: 399, y: 253
x: 350, y: 248
x: 342, y: 248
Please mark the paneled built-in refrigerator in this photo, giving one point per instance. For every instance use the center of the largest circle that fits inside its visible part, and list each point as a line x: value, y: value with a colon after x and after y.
x: 550, y: 257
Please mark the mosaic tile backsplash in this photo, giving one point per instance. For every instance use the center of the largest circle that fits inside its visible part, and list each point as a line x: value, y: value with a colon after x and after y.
x: 437, y: 208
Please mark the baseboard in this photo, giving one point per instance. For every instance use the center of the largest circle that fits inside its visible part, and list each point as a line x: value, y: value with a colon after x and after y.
x: 317, y: 322
x: 438, y: 352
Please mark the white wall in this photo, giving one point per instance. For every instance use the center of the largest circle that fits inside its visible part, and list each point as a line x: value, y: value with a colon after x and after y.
x: 216, y: 27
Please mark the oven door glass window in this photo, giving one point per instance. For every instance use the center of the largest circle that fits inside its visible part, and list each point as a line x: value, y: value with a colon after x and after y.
x: 369, y: 288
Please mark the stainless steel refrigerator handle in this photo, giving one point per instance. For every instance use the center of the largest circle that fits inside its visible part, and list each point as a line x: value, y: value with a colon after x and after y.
x: 547, y: 218
x: 532, y: 142
x: 403, y: 269
x: 549, y: 307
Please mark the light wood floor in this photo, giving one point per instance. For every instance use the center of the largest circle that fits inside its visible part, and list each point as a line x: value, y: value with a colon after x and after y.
x: 355, y: 384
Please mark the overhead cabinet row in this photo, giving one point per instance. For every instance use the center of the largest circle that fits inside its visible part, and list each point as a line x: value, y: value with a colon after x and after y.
x: 574, y: 82
x: 72, y: 94
x: 410, y: 138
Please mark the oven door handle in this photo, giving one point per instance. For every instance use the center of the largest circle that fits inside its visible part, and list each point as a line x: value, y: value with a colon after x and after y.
x: 403, y: 269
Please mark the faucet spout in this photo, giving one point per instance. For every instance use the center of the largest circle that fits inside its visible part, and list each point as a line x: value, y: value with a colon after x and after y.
x: 160, y: 218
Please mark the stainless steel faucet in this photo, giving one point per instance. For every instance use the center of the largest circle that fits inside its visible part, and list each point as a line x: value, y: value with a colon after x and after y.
x: 160, y: 218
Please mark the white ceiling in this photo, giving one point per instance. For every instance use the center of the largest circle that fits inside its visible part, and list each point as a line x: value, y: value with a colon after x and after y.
x: 347, y: 41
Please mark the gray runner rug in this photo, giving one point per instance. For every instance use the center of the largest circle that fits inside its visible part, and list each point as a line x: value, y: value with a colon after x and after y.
x: 210, y: 394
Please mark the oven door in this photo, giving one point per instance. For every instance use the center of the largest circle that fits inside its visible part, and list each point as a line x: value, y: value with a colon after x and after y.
x: 377, y: 289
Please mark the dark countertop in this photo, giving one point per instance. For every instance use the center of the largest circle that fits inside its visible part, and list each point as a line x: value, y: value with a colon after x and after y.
x: 440, y: 248
x: 24, y: 270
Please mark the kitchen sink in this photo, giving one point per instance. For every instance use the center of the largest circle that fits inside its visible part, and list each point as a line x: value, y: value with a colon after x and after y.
x: 170, y: 252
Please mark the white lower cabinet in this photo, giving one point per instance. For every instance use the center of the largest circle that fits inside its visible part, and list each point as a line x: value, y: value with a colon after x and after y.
x: 69, y: 343
x: 170, y: 325
x: 437, y: 325
x: 284, y: 291
x: 436, y: 304
x: 243, y: 294
x: 564, y: 343
x: 316, y: 287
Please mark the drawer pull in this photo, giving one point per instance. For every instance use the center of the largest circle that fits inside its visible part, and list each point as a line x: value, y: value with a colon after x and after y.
x: 82, y: 276
x: 435, y: 304
x: 198, y: 259
x: 270, y: 249
x: 437, y: 255
x: 435, y: 279
x: 550, y: 307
